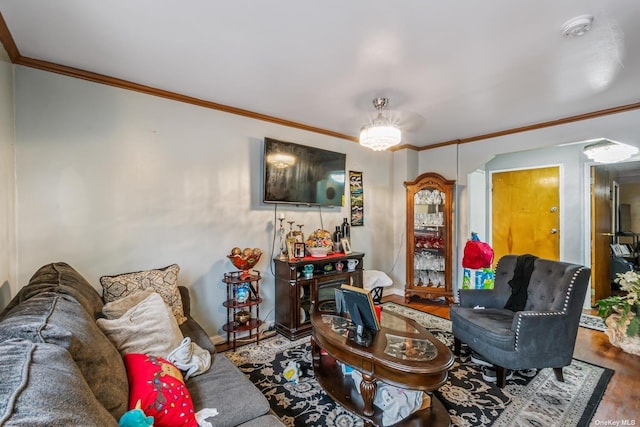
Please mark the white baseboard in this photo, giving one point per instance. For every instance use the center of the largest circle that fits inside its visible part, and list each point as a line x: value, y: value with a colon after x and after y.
x: 221, y: 339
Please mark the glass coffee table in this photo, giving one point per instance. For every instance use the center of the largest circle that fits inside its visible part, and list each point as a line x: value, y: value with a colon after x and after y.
x: 403, y: 353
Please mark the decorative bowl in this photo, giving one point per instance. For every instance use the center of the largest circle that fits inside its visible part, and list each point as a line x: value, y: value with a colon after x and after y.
x: 242, y: 292
x: 242, y: 262
x: 242, y: 317
x: 318, y: 252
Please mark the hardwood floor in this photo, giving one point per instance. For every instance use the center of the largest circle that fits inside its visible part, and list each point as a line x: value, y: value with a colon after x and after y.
x: 621, y: 401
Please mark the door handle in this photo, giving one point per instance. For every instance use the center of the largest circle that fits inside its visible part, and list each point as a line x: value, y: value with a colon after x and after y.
x: 554, y: 231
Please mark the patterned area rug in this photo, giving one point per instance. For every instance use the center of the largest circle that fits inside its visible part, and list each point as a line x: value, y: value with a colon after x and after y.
x: 592, y: 322
x: 526, y: 401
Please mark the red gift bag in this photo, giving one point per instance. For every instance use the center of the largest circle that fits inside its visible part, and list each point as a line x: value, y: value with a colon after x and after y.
x: 477, y: 254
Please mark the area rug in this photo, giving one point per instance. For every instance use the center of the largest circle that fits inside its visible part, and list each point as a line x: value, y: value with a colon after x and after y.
x: 537, y: 400
x: 592, y: 322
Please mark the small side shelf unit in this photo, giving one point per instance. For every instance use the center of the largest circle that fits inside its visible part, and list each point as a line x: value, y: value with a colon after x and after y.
x: 237, y: 283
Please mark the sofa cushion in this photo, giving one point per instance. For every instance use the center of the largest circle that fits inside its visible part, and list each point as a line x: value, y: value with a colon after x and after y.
x: 148, y: 327
x: 164, y: 281
x: 226, y: 388
x: 60, y: 278
x: 42, y: 387
x: 159, y: 387
x: 61, y: 320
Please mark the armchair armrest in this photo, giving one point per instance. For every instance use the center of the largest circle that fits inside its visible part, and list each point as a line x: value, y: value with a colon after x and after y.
x: 531, y: 326
x: 487, y: 298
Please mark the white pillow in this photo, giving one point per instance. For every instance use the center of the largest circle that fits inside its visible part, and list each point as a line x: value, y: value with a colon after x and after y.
x: 148, y: 327
x: 115, y: 309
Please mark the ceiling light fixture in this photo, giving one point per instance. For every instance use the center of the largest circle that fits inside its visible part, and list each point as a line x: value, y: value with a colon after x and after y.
x: 380, y: 134
x: 608, y: 151
x: 578, y: 26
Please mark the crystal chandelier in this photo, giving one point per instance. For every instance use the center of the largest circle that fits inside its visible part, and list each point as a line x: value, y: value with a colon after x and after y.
x: 380, y: 134
x: 608, y: 151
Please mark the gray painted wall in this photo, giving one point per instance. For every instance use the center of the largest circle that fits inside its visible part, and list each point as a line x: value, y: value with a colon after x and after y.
x: 8, y: 264
x: 113, y: 181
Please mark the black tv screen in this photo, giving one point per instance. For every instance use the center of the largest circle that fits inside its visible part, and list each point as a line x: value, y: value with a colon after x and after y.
x: 302, y: 175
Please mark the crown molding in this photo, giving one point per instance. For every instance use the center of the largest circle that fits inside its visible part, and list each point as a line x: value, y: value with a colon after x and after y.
x: 16, y: 58
x: 7, y: 41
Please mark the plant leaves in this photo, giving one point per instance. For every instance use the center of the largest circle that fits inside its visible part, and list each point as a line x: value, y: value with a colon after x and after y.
x: 634, y: 327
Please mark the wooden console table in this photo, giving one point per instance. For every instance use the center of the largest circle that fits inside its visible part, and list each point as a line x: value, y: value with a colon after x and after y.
x: 296, y: 293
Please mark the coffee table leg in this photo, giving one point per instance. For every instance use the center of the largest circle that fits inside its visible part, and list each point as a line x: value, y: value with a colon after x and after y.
x: 368, y: 392
x: 315, y: 353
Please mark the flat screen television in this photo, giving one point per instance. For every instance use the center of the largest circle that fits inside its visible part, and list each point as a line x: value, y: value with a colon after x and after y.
x: 302, y: 175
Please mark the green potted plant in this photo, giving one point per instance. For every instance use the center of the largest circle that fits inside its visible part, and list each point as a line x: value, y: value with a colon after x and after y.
x: 621, y: 313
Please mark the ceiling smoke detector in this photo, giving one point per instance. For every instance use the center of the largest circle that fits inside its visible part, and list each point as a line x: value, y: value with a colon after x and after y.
x: 578, y: 26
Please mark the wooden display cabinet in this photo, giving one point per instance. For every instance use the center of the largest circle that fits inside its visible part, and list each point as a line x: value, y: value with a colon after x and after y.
x: 429, y: 237
x: 296, y: 294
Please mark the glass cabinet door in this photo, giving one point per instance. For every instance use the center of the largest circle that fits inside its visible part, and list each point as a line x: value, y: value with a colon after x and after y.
x: 429, y: 239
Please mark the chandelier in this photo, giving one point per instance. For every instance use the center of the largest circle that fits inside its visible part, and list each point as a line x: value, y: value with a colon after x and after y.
x: 608, y: 151
x: 380, y: 134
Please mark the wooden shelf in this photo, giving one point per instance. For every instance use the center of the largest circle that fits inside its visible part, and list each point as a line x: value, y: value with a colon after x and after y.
x: 235, y: 327
x: 231, y: 303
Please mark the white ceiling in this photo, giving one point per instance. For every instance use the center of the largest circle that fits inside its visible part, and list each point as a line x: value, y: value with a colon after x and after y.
x: 451, y: 69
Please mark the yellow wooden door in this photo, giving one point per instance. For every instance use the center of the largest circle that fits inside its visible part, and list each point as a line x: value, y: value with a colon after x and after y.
x: 525, y: 213
x: 600, y: 234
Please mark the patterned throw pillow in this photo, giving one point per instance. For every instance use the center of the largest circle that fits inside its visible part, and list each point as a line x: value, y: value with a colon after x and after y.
x: 159, y: 387
x: 164, y: 281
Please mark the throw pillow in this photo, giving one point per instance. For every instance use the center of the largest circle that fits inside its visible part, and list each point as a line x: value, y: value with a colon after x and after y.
x: 164, y: 281
x: 159, y: 387
x: 148, y: 327
x: 115, y: 309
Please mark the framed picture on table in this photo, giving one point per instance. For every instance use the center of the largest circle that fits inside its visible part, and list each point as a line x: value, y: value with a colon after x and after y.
x: 291, y: 248
x: 298, y: 250
x: 346, y: 246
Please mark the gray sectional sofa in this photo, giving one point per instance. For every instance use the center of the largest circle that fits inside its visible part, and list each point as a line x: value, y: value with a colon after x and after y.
x: 57, y: 368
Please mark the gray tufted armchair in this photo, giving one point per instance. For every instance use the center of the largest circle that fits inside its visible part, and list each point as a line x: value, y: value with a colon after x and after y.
x: 542, y: 335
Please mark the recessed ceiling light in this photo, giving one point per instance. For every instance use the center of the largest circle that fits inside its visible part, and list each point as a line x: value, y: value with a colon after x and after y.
x: 578, y: 26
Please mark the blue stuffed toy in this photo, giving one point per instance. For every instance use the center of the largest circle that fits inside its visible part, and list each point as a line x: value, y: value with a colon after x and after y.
x: 135, y: 418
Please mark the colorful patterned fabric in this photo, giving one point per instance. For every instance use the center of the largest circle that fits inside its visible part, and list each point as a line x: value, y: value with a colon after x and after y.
x: 160, y: 388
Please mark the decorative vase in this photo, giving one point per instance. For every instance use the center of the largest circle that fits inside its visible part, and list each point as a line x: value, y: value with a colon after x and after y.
x: 242, y: 293
x: 618, y: 337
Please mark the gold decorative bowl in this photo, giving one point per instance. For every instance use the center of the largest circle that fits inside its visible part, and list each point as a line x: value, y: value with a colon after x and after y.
x: 244, y: 263
x: 242, y: 317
